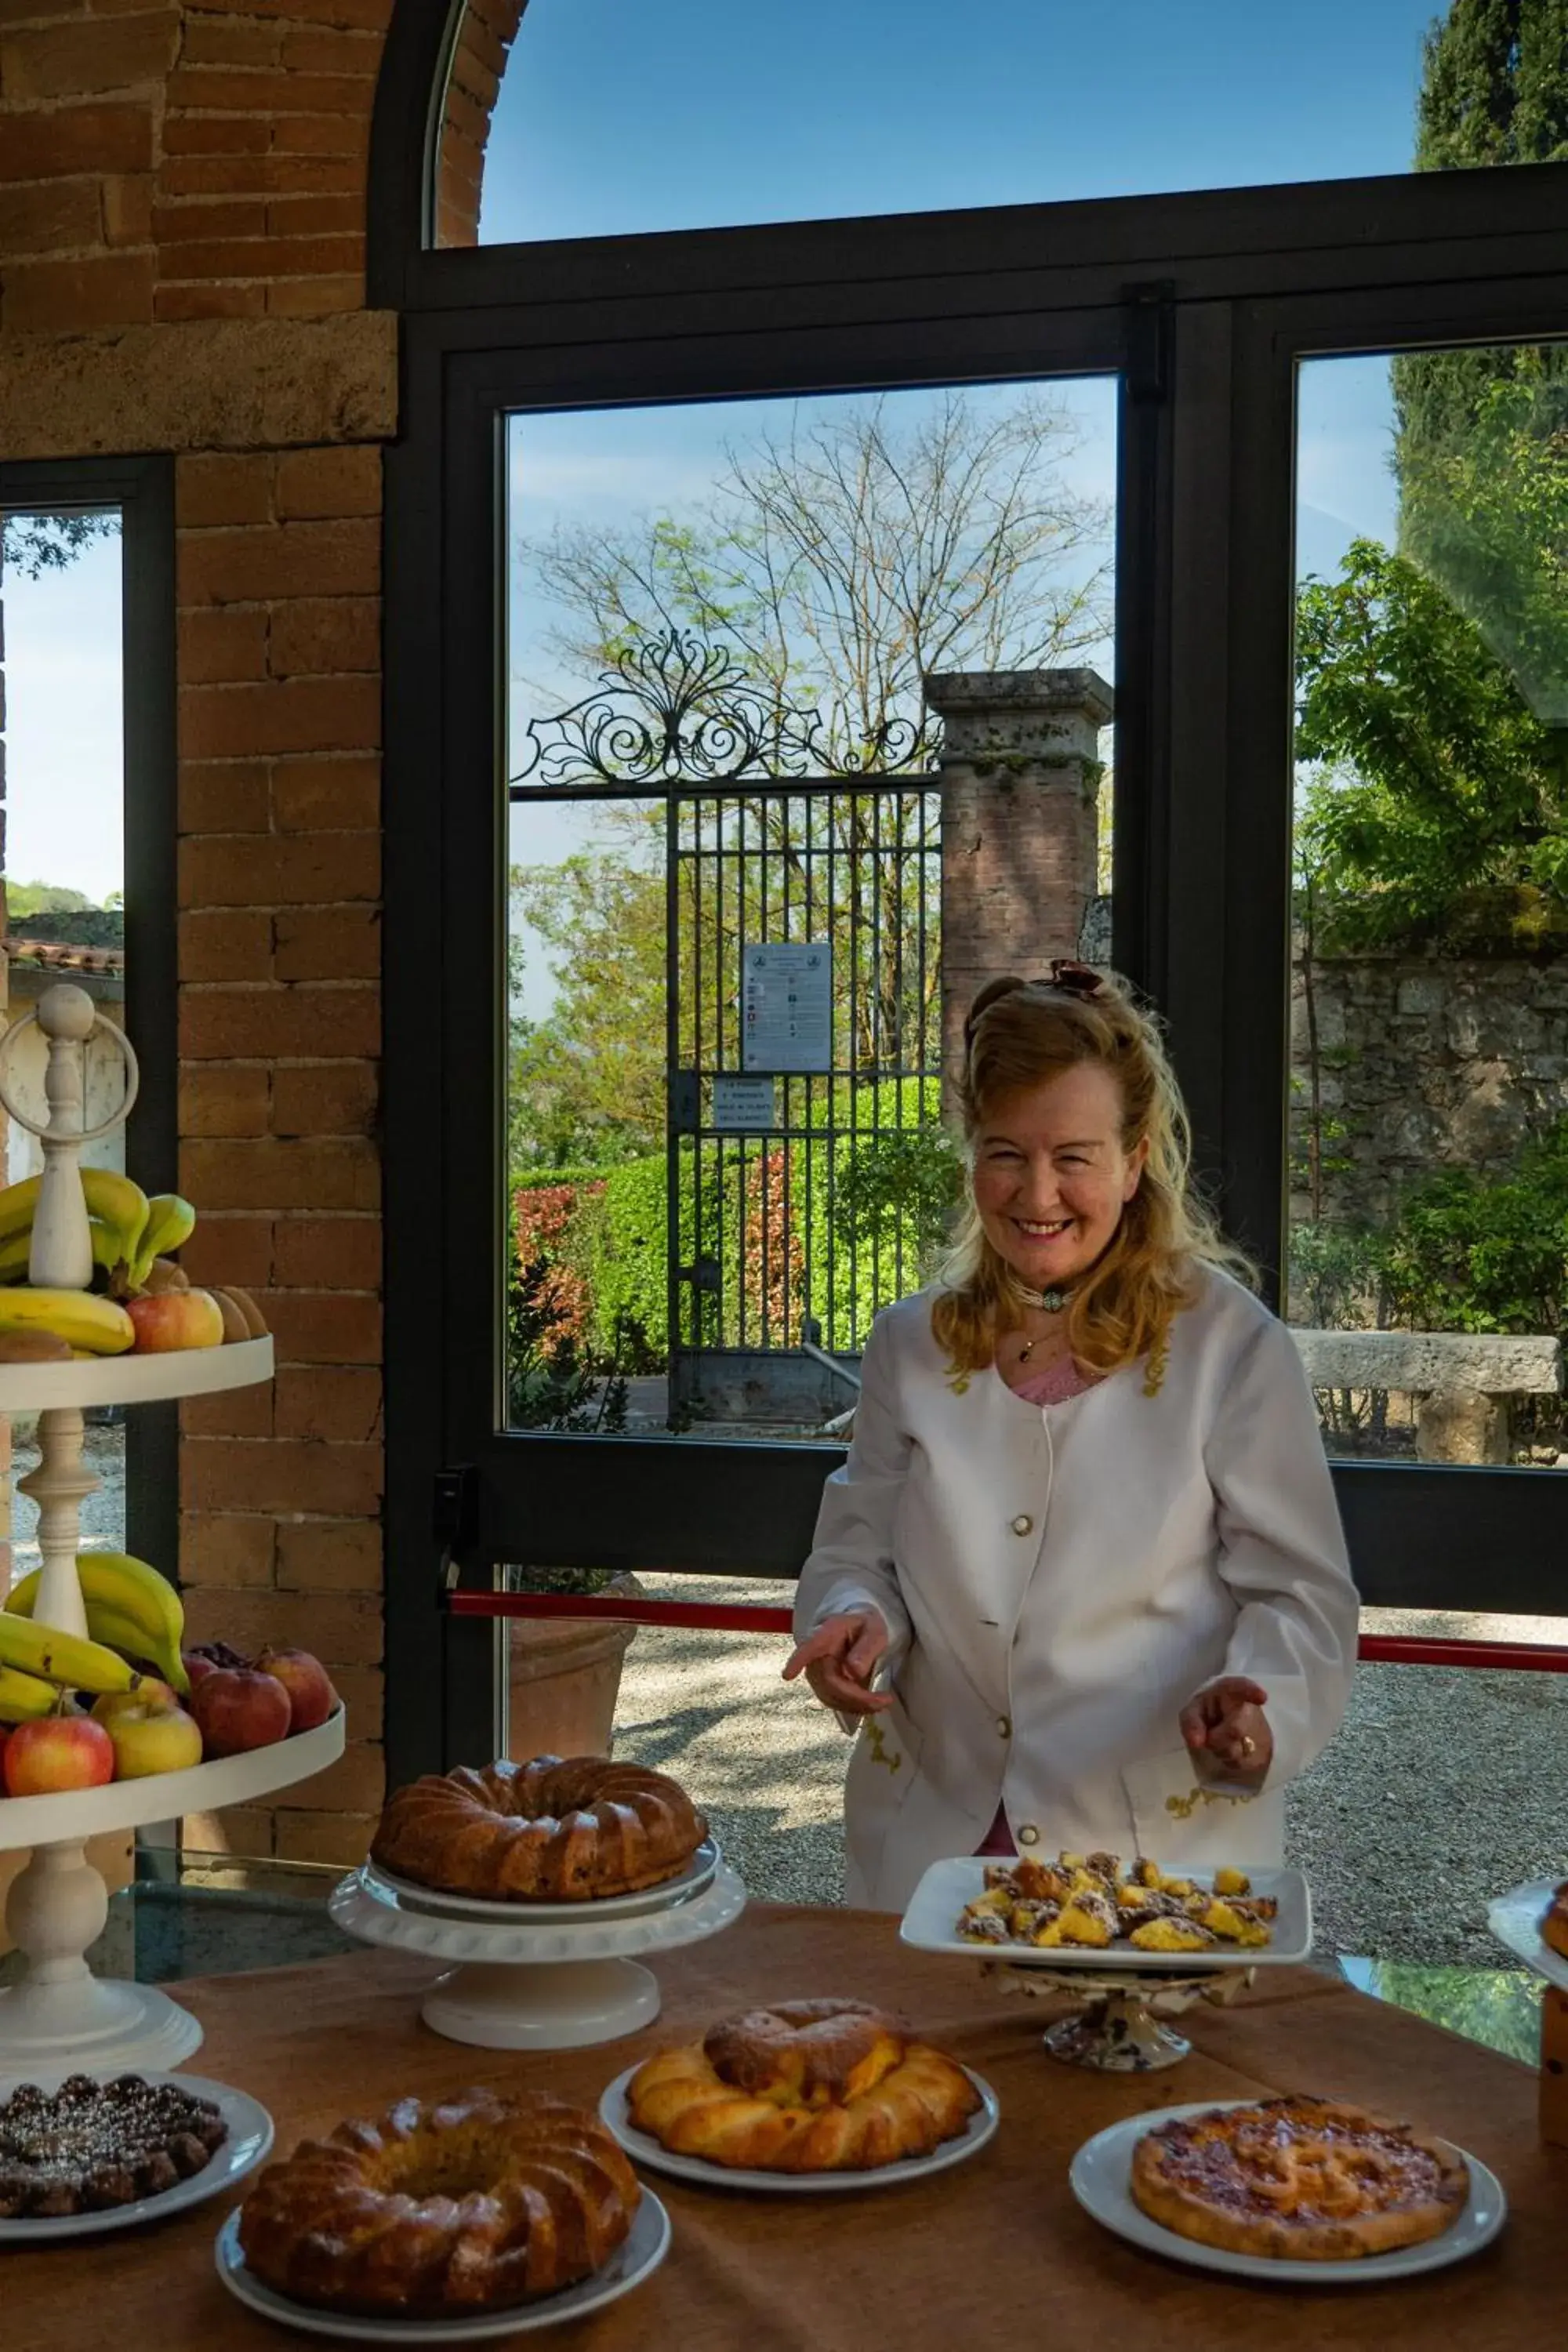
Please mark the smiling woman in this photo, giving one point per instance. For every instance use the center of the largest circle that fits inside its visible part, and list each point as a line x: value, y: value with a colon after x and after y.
x: 1046, y: 1639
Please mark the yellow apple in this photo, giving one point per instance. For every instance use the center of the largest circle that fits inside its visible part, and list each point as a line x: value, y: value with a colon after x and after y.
x: 150, y: 1739
x: 148, y: 1692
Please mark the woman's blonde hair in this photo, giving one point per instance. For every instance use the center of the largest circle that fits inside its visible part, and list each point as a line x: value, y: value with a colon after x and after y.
x: 1020, y: 1034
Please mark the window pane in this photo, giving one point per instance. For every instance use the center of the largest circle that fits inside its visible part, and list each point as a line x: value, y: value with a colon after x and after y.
x: 1429, y: 1112
x: 694, y: 114
x: 64, y: 872
x: 741, y: 929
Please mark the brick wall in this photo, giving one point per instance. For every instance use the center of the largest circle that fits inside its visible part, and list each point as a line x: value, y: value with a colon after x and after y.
x: 478, y: 61
x: 182, y: 252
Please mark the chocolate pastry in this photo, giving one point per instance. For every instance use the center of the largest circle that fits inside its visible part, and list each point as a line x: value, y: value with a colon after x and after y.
x: 92, y: 2145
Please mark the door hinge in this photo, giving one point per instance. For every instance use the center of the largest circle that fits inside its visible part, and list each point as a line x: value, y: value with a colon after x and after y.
x: 454, y: 1519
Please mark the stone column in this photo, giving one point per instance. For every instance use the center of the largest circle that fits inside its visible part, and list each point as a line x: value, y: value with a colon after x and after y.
x: 1019, y: 775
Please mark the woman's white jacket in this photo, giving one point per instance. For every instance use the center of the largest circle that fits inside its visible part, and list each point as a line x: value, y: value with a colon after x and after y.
x: 1058, y: 1582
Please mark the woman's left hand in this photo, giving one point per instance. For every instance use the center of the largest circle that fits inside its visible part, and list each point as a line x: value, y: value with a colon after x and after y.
x: 1226, y: 1727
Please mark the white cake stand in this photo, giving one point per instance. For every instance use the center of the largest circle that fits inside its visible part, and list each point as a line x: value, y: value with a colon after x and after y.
x: 524, y: 1986
x: 60, y: 2014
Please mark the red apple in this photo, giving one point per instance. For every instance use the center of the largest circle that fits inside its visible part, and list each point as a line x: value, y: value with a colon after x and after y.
x: 238, y: 1708
x: 58, y: 1751
x: 307, y: 1682
x: 174, y: 1318
x: 207, y: 1657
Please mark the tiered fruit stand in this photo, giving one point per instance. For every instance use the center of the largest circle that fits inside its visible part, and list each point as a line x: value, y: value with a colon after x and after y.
x: 58, y: 2013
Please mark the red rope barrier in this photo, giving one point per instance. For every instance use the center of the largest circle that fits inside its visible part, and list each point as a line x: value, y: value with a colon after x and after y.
x: 732, y: 1617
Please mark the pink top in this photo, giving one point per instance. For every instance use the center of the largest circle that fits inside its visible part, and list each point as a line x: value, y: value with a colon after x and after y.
x: 1058, y: 1383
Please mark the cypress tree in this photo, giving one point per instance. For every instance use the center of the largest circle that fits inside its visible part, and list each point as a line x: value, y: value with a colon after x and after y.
x: 1481, y: 441
x: 1494, y: 90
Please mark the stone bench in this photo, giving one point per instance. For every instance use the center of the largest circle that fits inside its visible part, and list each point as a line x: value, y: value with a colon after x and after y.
x: 1461, y: 1381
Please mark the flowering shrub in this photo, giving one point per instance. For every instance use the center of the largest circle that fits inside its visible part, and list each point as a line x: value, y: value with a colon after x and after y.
x: 544, y: 1220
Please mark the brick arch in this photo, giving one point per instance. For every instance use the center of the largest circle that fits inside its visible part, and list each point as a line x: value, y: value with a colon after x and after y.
x: 485, y: 32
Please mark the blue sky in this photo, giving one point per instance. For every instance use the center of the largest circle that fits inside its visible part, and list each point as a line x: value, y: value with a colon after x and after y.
x: 620, y: 114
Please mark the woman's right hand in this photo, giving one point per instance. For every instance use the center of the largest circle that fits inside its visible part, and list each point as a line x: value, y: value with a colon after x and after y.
x: 839, y: 1659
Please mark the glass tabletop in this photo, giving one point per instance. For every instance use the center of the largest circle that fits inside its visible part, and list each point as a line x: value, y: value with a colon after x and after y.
x: 212, y: 1915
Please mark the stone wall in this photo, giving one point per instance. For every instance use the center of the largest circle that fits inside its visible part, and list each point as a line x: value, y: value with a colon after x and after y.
x: 183, y: 205
x: 1426, y: 1061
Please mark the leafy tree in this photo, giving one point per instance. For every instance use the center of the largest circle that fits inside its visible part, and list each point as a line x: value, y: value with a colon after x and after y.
x: 1481, y: 445
x: 834, y: 564
x: 841, y: 560
x: 1494, y: 88
x: 1434, y: 778
x: 32, y: 544
x: 587, y: 1082
x: 43, y: 898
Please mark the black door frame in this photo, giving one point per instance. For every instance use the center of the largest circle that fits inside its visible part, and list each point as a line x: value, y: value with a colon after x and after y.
x: 1202, y: 304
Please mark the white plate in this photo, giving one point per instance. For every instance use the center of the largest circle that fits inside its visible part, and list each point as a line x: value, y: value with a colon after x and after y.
x: 947, y: 1886
x: 636, y: 2259
x: 1102, y: 2172
x: 1515, y: 1920
x: 698, y: 1873
x: 615, y: 2115
x: 250, y: 2138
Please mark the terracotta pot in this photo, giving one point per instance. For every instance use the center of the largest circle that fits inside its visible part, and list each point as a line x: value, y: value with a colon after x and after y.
x: 564, y: 1674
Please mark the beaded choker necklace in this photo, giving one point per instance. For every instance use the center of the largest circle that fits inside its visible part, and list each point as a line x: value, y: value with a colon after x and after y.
x: 1049, y: 1302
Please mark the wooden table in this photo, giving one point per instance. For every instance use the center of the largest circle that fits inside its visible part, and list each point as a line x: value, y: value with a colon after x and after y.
x: 995, y: 2253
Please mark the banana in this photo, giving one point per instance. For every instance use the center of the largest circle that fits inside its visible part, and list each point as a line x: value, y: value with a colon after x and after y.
x: 24, y: 1697
x: 109, y: 1195
x: 133, y: 1638
x: 18, y: 1204
x: 78, y: 1315
x: 120, y: 1583
x: 170, y: 1223
x: 108, y: 1250
x: 130, y: 1607
x: 64, y: 1658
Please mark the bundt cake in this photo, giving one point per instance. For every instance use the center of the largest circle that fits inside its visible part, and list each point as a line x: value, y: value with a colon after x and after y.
x: 439, y: 2208
x: 552, y: 1831
x: 804, y: 2087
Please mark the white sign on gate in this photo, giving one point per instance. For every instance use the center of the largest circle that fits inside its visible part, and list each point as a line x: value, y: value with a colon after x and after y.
x: 787, y: 1006
x: 744, y: 1106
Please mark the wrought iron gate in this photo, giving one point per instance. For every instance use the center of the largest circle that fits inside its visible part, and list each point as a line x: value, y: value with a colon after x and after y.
x: 804, y: 1189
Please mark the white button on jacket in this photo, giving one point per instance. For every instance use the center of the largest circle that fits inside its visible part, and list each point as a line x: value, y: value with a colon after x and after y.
x: 1179, y: 1537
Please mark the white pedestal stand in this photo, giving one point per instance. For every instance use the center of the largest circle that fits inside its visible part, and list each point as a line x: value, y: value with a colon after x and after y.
x: 518, y: 1986
x: 59, y: 2015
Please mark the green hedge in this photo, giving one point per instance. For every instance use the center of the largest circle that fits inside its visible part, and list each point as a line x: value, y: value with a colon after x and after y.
x: 872, y: 1231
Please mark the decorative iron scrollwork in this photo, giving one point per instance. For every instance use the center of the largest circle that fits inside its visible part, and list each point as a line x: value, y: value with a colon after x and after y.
x: 675, y: 711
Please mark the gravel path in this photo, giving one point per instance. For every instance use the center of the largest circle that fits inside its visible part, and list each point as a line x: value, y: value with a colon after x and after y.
x: 1445, y: 1786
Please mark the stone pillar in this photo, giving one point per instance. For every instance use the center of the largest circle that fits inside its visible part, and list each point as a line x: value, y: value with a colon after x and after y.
x: 1020, y: 785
